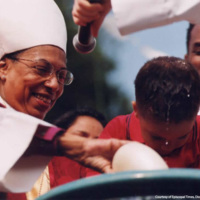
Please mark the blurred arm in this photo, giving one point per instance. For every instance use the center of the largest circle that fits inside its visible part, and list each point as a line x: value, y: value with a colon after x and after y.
x: 136, y: 15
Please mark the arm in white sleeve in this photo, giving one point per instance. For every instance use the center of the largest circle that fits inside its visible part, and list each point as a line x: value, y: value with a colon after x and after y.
x: 136, y: 15
x: 18, y: 173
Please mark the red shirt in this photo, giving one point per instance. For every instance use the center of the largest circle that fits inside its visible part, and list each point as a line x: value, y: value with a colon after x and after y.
x: 127, y: 127
x: 63, y: 170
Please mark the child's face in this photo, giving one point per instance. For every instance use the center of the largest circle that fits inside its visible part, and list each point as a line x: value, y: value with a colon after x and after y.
x: 86, y: 126
x: 165, y: 138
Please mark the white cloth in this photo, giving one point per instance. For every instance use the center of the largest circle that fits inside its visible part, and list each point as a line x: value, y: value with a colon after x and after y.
x: 24, y: 24
x: 136, y: 15
x: 18, y: 174
x: 29, y: 23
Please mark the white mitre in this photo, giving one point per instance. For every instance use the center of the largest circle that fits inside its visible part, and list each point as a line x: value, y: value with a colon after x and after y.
x: 29, y: 23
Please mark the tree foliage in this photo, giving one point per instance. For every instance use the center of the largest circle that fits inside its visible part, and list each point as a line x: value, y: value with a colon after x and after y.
x: 90, y: 86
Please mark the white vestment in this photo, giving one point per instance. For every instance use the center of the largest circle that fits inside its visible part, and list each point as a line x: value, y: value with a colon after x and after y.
x: 18, y: 174
x: 136, y: 15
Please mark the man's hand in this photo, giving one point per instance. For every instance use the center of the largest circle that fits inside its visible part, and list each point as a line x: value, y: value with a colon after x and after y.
x: 85, y: 12
x: 94, y: 153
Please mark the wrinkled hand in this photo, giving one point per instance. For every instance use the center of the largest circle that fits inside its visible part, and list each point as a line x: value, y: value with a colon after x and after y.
x: 94, y: 153
x: 85, y: 12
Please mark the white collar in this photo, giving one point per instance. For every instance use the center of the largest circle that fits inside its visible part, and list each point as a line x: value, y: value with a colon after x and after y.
x: 5, y: 103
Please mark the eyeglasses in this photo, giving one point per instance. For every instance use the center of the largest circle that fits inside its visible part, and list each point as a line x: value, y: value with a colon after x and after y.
x: 45, y: 69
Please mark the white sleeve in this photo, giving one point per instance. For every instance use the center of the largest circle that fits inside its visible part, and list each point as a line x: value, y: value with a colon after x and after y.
x: 18, y: 174
x: 136, y: 15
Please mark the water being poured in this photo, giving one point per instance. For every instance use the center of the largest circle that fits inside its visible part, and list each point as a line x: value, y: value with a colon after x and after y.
x: 169, y: 104
x: 188, y: 88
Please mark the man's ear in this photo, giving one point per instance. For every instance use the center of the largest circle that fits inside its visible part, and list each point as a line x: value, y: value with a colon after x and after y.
x: 134, y: 104
x: 3, y: 67
x: 2, y: 63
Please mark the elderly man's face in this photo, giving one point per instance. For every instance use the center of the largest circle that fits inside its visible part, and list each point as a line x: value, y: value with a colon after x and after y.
x: 25, y: 90
x: 193, y: 55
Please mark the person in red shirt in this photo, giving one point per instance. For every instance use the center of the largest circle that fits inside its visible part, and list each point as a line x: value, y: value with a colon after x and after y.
x: 165, y: 117
x: 82, y: 121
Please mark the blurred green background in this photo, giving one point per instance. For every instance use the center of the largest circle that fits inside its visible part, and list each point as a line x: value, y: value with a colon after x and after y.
x: 90, y: 86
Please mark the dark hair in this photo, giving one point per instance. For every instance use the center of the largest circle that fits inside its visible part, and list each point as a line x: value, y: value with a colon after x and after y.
x: 168, y: 89
x: 68, y: 118
x: 188, y: 35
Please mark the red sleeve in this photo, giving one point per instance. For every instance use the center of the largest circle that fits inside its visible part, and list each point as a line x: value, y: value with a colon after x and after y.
x: 45, y: 142
x: 63, y: 170
x: 47, y: 133
x: 116, y: 128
